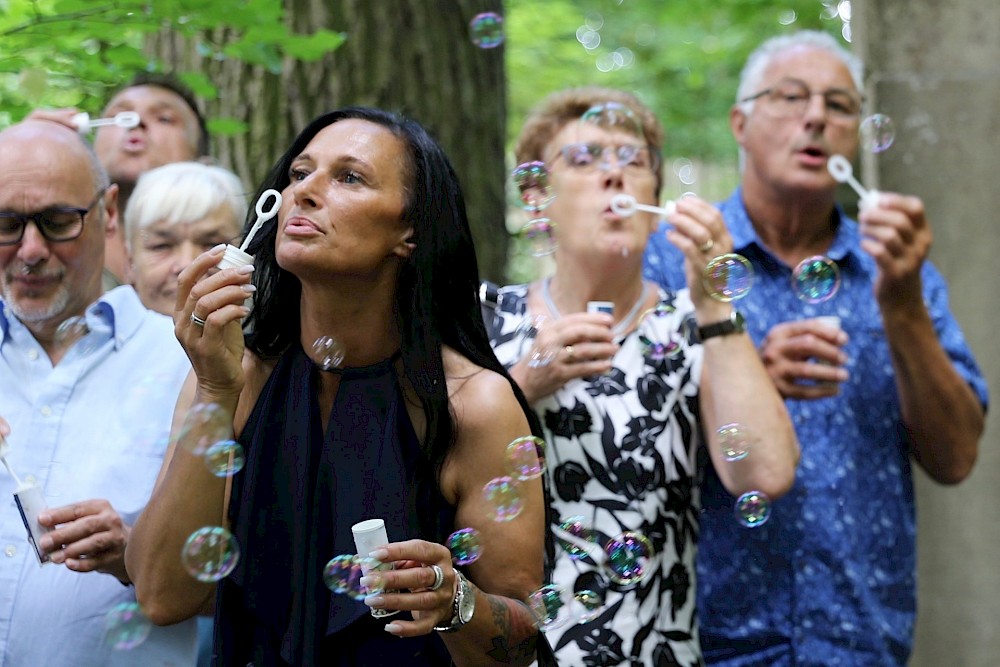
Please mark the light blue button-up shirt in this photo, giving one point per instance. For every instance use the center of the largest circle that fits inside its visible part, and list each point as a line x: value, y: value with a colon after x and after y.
x: 830, y: 579
x: 94, y: 426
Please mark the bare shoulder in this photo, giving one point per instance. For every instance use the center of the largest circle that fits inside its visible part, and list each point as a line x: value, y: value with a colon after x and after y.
x: 481, y: 399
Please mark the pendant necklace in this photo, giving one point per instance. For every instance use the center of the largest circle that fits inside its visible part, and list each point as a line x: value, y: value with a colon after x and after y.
x: 618, y: 329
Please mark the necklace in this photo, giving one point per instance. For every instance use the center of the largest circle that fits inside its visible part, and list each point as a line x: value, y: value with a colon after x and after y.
x: 618, y: 329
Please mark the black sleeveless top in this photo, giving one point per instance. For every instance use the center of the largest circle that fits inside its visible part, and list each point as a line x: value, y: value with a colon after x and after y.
x: 291, y: 511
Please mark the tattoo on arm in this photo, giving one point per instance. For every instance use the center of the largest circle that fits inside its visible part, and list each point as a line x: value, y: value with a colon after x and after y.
x: 512, y: 621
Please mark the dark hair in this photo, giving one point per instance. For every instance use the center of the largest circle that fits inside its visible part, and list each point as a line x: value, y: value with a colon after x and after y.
x: 437, y: 300
x: 171, y: 83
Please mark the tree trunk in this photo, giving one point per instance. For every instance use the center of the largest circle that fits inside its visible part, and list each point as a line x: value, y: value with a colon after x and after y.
x: 411, y: 56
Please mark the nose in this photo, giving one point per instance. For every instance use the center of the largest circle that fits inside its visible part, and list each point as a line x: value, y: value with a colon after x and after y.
x: 303, y: 191
x: 815, y: 113
x: 184, y: 254
x: 612, y: 172
x: 33, y: 249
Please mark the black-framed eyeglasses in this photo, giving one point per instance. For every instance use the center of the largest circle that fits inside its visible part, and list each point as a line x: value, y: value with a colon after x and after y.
x: 56, y: 225
x: 790, y: 98
x: 588, y: 156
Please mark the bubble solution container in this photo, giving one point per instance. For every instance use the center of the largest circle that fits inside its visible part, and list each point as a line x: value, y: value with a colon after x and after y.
x: 368, y: 536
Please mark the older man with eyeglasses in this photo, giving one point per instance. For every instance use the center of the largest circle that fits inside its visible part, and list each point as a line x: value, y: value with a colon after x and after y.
x: 87, y: 385
x: 830, y: 578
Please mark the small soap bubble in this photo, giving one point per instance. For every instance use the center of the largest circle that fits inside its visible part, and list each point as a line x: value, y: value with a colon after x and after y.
x: 342, y: 575
x: 753, y: 509
x: 210, y: 553
x: 465, y: 546
x: 533, y: 187
x: 629, y: 556
x: 504, y: 498
x: 613, y: 115
x: 376, y: 583
x: 734, y: 441
x: 225, y: 458
x: 548, y: 605
x: 540, y: 233
x: 71, y: 330
x: 527, y: 333
x: 877, y: 133
x: 816, y: 279
x: 329, y: 353
x: 125, y: 626
x: 657, y: 340
x: 586, y: 606
x: 486, y: 30
x: 526, y: 457
x: 204, y: 425
x: 685, y: 171
x: 576, y: 538
x: 728, y: 277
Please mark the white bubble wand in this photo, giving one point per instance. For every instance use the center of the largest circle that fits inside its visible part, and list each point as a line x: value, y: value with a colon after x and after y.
x: 626, y: 205
x: 238, y: 256
x: 124, y: 119
x: 842, y: 171
x: 4, y: 450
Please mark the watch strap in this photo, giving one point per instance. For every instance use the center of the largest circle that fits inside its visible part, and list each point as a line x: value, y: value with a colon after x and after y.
x: 735, y: 324
x: 462, y: 589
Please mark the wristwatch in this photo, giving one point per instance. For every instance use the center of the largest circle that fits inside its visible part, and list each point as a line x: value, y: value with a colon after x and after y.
x: 463, y: 606
x: 735, y: 324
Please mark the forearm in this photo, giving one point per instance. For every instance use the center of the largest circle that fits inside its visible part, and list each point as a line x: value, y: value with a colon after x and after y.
x: 502, y: 631
x: 941, y: 413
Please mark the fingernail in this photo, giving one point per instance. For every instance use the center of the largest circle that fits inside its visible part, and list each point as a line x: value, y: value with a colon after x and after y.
x: 45, y: 518
x: 217, y: 249
x: 370, y: 581
x: 249, y: 289
x: 45, y: 543
x: 379, y: 554
x: 246, y: 268
x: 393, y: 628
x: 374, y: 600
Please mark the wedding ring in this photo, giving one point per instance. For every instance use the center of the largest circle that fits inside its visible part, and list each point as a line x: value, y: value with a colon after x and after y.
x: 438, y: 578
x: 197, y: 320
x: 569, y: 353
x: 707, y: 245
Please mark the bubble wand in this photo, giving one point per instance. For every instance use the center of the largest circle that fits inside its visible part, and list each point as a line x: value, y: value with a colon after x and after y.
x: 124, y: 119
x: 234, y: 256
x: 626, y: 205
x: 842, y: 171
x: 4, y: 450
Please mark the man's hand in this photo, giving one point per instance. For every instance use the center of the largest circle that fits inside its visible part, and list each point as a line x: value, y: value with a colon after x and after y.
x: 804, y: 358
x: 87, y: 536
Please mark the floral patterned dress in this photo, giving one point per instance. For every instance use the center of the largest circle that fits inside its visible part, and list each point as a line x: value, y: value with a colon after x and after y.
x: 620, y: 456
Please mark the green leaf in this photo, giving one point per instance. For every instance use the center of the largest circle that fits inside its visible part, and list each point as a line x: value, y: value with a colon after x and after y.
x: 315, y: 46
x: 227, y: 126
x: 199, y: 84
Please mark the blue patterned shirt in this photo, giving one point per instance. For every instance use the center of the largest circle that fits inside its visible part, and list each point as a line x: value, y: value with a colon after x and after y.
x: 830, y: 579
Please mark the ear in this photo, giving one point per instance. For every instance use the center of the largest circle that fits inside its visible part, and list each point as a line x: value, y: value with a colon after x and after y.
x: 405, y: 247
x: 737, y: 123
x: 111, y: 214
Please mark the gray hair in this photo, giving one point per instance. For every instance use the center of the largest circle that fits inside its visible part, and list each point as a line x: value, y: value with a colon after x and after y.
x: 183, y: 192
x: 760, y: 59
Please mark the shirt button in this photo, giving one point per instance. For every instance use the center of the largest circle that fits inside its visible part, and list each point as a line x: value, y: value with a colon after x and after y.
x: 46, y: 410
x: 32, y: 354
x: 10, y: 551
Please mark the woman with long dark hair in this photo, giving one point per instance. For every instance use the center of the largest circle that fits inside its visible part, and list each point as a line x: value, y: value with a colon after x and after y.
x: 371, y: 249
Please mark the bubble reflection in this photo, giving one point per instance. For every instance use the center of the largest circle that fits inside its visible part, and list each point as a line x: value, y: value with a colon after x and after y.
x: 816, y: 279
x: 753, y: 509
x: 504, y: 498
x: 465, y: 546
x: 126, y: 627
x: 210, y: 553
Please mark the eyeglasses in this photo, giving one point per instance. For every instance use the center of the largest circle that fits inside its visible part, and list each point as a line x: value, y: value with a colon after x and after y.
x: 586, y: 157
x: 55, y: 224
x: 790, y: 99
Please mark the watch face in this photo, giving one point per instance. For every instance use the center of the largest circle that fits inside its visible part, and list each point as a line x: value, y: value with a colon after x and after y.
x: 468, y: 604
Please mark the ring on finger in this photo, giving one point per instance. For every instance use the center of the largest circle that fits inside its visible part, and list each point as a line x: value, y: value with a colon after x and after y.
x: 707, y: 245
x: 570, y: 356
x: 197, y: 320
x: 438, y: 578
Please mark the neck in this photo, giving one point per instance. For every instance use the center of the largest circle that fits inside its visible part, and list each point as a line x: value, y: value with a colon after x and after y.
x: 793, y: 226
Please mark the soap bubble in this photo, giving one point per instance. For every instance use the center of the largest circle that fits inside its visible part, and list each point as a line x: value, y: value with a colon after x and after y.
x: 486, y: 30
x: 613, y: 115
x: 329, y: 353
x: 576, y: 538
x: 526, y: 457
x: 734, y: 441
x: 225, y: 458
x: 540, y: 233
x: 753, y: 509
x: 125, y: 626
x: 465, y: 546
x: 210, y: 553
x: 816, y: 279
x: 534, y: 190
x: 342, y: 575
x: 204, y: 425
x: 877, y: 133
x: 586, y: 606
x: 527, y: 333
x: 657, y: 341
x: 548, y: 605
x: 728, y: 277
x: 504, y: 498
x: 71, y: 330
x: 629, y: 556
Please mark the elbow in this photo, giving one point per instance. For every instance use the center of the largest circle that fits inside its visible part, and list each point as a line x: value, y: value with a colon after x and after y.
x: 952, y: 472
x: 160, y: 609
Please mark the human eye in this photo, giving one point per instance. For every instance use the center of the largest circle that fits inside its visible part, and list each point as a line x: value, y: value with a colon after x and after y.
x: 58, y: 219
x: 9, y: 223
x: 297, y: 174
x: 350, y: 177
x: 633, y: 156
x: 581, y: 155
x: 841, y: 103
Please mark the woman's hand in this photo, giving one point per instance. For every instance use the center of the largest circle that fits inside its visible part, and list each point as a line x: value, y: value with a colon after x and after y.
x: 574, y: 346
x: 699, y: 231
x: 207, y: 322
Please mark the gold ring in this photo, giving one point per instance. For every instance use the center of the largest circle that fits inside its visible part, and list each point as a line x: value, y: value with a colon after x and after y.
x: 707, y: 245
x: 569, y: 353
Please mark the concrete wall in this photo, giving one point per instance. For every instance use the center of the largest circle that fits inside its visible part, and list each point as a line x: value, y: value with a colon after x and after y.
x: 934, y: 68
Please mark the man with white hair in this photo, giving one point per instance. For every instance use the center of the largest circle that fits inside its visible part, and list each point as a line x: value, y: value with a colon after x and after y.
x: 829, y: 579
x: 87, y: 385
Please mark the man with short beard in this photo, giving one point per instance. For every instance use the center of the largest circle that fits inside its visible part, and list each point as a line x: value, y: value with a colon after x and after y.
x: 87, y: 385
